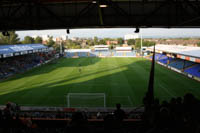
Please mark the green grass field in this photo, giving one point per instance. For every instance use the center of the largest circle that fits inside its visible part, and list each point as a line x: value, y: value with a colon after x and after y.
x: 123, y: 80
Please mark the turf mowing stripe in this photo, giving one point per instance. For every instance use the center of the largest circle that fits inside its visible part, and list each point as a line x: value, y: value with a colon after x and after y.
x: 124, y: 77
x: 129, y: 89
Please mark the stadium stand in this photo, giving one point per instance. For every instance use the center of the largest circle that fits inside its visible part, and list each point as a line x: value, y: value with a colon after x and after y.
x: 173, y: 62
x: 99, y: 53
x: 22, y: 63
x: 158, y: 56
x: 179, y: 64
x: 27, y: 57
x: 186, y: 59
x: 177, y: 115
x: 124, y: 52
x: 80, y: 54
x: 165, y: 59
x: 188, y: 67
x: 118, y: 54
x: 130, y: 54
x: 195, y: 70
x: 69, y: 54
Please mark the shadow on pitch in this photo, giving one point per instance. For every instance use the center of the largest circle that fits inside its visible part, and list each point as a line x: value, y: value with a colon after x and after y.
x: 60, y: 63
x: 54, y: 94
x: 126, y: 80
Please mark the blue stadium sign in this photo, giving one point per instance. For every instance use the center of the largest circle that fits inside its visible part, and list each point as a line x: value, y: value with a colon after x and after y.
x: 20, y: 49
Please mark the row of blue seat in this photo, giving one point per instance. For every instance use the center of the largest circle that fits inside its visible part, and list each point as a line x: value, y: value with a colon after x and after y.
x: 179, y: 64
x: 195, y: 70
x: 97, y: 53
x: 173, y: 62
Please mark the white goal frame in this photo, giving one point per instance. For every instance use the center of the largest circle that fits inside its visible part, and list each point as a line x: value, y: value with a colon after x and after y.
x: 83, y: 94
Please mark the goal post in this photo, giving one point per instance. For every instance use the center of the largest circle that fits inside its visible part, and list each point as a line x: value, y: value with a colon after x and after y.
x: 86, y: 100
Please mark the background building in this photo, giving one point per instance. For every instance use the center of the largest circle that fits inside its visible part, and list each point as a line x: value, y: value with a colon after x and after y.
x: 45, y: 37
x: 131, y: 36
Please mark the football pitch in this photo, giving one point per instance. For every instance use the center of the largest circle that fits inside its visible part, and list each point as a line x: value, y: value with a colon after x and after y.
x: 122, y: 80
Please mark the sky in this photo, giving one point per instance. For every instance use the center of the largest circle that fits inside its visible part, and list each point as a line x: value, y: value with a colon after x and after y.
x: 115, y: 32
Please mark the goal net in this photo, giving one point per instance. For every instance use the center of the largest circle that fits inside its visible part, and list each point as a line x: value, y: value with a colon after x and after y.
x: 86, y: 100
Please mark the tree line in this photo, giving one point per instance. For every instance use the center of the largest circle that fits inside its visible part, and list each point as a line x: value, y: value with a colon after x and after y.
x: 13, y: 38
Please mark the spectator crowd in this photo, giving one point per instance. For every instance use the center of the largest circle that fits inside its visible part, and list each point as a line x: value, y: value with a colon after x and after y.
x: 22, y: 63
x: 179, y: 115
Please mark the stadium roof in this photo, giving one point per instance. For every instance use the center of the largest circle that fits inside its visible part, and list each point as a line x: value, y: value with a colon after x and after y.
x: 182, y: 50
x: 67, y: 14
x: 7, y: 49
x: 78, y: 50
x: 123, y: 48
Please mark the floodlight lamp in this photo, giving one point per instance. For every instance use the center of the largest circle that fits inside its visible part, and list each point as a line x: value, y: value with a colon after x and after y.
x: 137, y: 30
x: 68, y: 31
x: 103, y: 6
x: 103, y: 3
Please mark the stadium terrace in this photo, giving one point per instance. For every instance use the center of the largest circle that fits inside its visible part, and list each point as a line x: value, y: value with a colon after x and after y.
x: 16, y: 59
x: 182, y: 59
x: 101, y: 51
